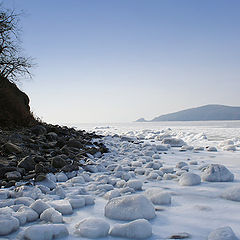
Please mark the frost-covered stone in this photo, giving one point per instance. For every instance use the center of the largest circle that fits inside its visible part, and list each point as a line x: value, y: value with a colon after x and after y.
x: 60, y: 192
x: 152, y: 176
x: 4, y: 194
x: 169, y: 176
x: 8, y: 224
x: 6, y: 202
x: 39, y: 206
x: 78, y: 179
x: 217, y: 173
x: 61, y: 177
x: 48, y: 183
x: 167, y: 170
x: 27, y: 201
x: 212, y: 149
x: 173, y: 142
x: 93, y: 228
x: 21, y: 217
x: 181, y: 165
x: 89, y: 200
x: 105, y: 187
x: 161, y: 147
x: 51, y: 215
x: 138, y: 229
x: 63, y: 206
x: 45, y: 232
x: 189, y: 179
x: 76, y: 201
x: 112, y: 194
x: 135, y: 184
x: 230, y: 148
x: 130, y: 208
x: 30, y: 214
x: 156, y: 156
x: 232, y: 193
x: 223, y: 233
x: 158, y: 197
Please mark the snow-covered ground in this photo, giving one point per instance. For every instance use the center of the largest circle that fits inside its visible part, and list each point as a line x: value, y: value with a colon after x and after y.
x: 177, y: 178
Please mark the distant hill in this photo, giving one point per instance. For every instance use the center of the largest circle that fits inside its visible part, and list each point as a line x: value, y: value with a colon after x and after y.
x: 203, y: 113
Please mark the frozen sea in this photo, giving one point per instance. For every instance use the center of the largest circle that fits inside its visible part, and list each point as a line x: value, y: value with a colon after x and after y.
x: 136, y: 154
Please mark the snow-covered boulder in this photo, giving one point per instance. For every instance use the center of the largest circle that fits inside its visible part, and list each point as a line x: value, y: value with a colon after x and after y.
x: 48, y: 183
x: 130, y: 208
x: 4, y: 194
x: 173, y: 142
x: 212, y: 149
x: 223, y: 233
x: 8, y: 224
x: 39, y: 206
x: 45, y: 232
x: 92, y: 228
x: 181, y: 165
x: 76, y: 201
x: 21, y: 217
x: 138, y: 229
x: 232, y: 193
x: 112, y: 194
x: 29, y: 213
x: 27, y: 201
x: 61, y: 177
x: 135, y: 184
x: 162, y: 147
x: 189, y: 179
x: 217, y: 173
x: 63, y: 206
x: 158, y: 197
x: 51, y: 215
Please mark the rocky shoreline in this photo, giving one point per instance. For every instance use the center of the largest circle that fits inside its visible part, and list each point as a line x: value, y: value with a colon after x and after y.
x: 28, y: 154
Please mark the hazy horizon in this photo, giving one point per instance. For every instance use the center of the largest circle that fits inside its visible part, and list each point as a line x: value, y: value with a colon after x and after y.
x: 108, y: 61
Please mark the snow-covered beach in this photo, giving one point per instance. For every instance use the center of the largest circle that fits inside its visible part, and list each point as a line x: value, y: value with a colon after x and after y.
x: 182, y: 178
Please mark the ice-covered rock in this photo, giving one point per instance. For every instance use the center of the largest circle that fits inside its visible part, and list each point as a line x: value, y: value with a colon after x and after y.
x: 162, y: 147
x: 51, y: 215
x: 217, y: 173
x: 223, y: 233
x: 89, y: 200
x: 4, y: 194
x: 39, y: 206
x: 135, y: 184
x: 27, y: 201
x: 156, y: 156
x: 173, y: 142
x: 93, y: 228
x: 29, y: 213
x: 212, y: 149
x: 48, y: 183
x: 61, y: 177
x: 167, y: 170
x: 189, y: 179
x: 158, y: 196
x: 181, y: 165
x: 76, y: 201
x: 112, y: 194
x: 230, y: 148
x: 138, y: 229
x: 45, y: 232
x: 63, y: 206
x: 130, y: 208
x: 8, y: 224
x: 21, y: 217
x: 6, y: 202
x: 232, y: 193
x: 78, y: 179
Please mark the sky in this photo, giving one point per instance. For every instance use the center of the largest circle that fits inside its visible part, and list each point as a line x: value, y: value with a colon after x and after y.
x: 119, y: 60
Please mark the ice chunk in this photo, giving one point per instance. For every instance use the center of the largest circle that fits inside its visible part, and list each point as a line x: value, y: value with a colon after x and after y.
x: 138, y: 229
x: 189, y: 179
x: 217, y: 173
x: 223, y: 233
x: 45, y: 232
x: 130, y: 208
x: 39, y: 206
x: 93, y: 228
x: 51, y: 215
x: 63, y: 206
x: 8, y: 224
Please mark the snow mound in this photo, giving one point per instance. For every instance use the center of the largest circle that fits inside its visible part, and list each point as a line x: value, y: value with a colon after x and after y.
x: 174, y: 142
x: 232, y: 193
x: 130, y: 208
x: 93, y: 228
x: 51, y: 215
x: 217, y: 173
x: 138, y: 229
x: 45, y: 232
x: 189, y: 179
x: 223, y: 233
x: 8, y: 224
x: 158, y: 197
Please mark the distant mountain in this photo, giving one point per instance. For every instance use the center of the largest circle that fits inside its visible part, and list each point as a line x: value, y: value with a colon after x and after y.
x: 141, y: 120
x: 203, y: 113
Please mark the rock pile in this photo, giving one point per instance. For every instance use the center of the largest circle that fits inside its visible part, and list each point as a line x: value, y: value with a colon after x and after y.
x: 31, y: 153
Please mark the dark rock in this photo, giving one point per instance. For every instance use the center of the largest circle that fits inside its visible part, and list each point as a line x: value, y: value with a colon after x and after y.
x: 38, y: 159
x: 52, y: 136
x: 70, y: 168
x: 12, y: 148
x: 39, y: 130
x: 27, y: 163
x: 10, y: 184
x: 58, y: 162
x: 40, y: 177
x: 13, y: 175
x: 180, y: 236
x: 74, y: 143
x: 4, y: 170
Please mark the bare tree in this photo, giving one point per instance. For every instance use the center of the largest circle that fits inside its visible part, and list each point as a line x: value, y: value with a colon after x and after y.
x: 13, y: 63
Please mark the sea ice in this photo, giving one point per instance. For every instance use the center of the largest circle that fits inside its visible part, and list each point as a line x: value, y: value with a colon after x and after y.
x: 130, y: 208
x: 93, y: 228
x: 217, y: 173
x: 138, y: 229
x: 189, y: 179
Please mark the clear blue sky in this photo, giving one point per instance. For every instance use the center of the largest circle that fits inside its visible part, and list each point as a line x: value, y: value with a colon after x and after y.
x: 115, y: 61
